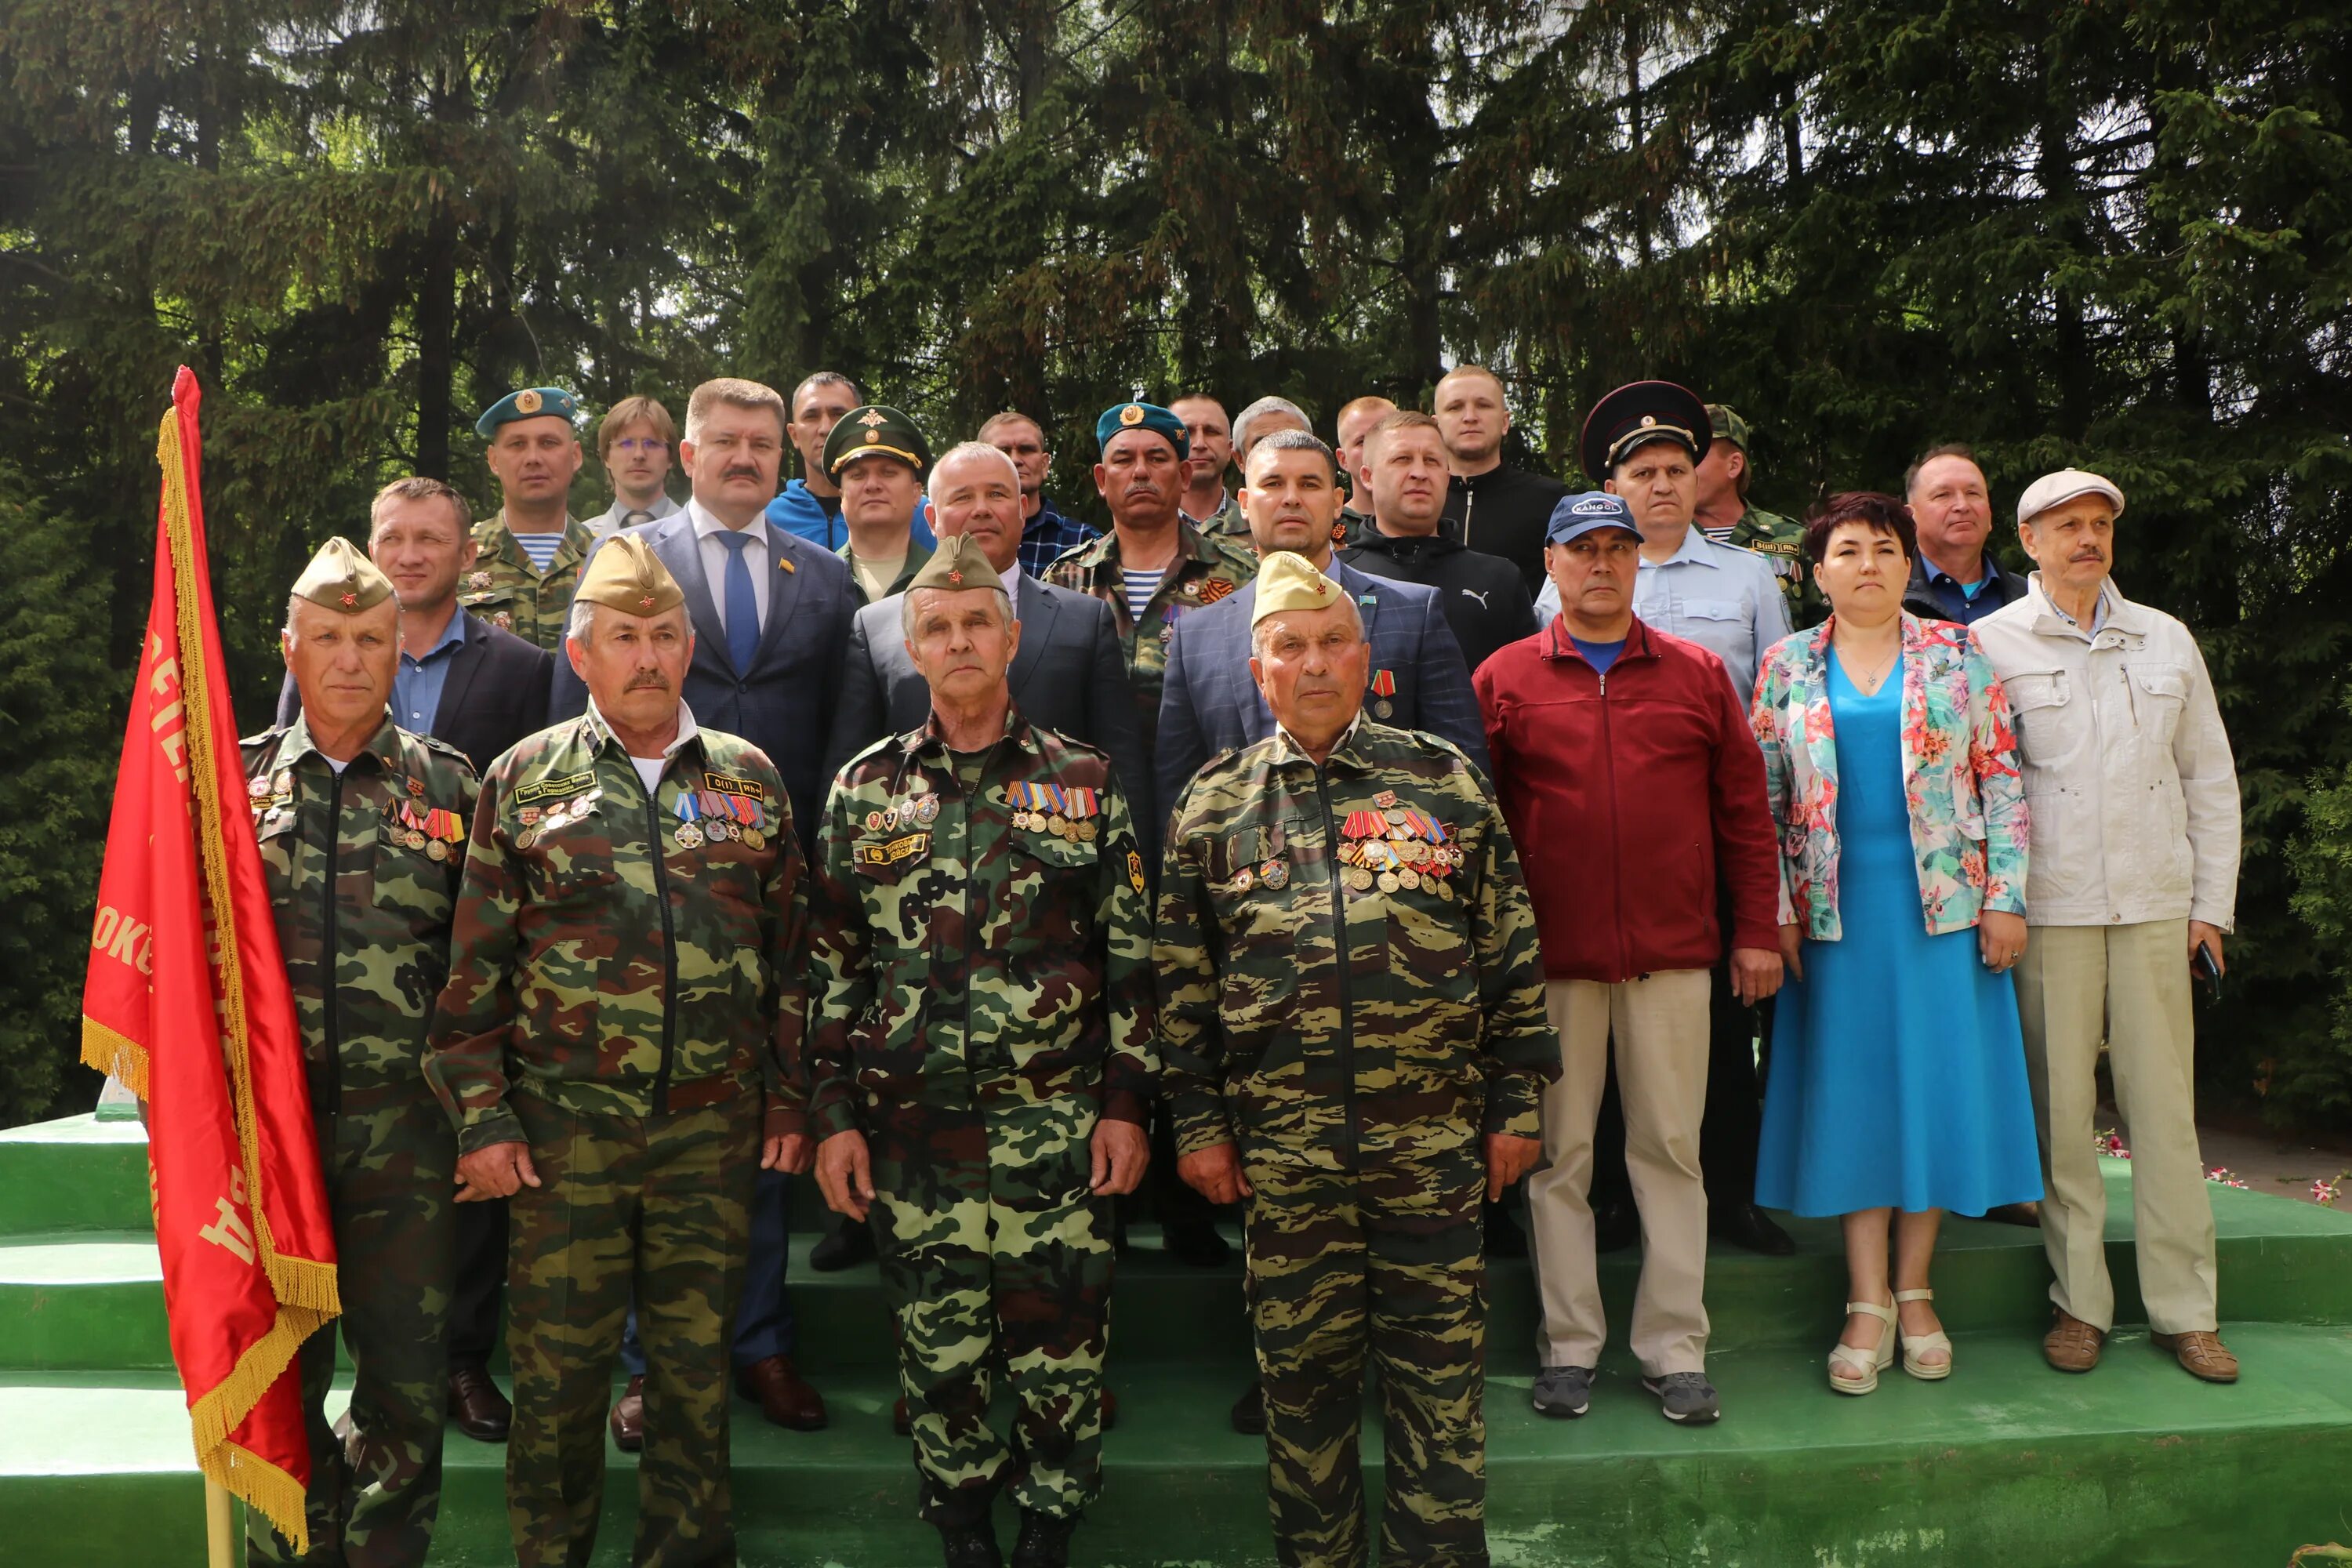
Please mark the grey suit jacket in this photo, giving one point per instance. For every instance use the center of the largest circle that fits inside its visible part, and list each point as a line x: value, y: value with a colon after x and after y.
x: 1209, y: 705
x: 1070, y: 677
x: 784, y: 703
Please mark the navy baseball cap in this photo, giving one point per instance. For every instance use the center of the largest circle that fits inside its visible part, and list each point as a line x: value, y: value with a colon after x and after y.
x: 1589, y: 512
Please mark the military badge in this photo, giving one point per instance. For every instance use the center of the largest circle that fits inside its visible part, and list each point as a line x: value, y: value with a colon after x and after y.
x: 1214, y: 588
x: 527, y: 401
x: 1244, y: 880
x: 1135, y: 871
x: 1274, y: 874
x: 926, y: 809
x: 1131, y: 415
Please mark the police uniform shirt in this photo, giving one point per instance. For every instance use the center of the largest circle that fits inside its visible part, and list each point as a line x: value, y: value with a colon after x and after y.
x: 1725, y: 599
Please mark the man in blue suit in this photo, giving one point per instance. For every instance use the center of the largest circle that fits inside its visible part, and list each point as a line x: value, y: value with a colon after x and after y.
x: 771, y: 615
x: 1209, y: 705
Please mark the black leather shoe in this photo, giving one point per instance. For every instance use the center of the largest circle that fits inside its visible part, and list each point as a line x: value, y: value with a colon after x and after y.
x: 2016, y: 1214
x: 1503, y: 1236
x: 480, y: 1411
x: 1249, y: 1411
x: 1044, y: 1542
x: 628, y: 1417
x: 1746, y: 1225
x: 971, y: 1546
x: 1615, y: 1227
x: 847, y: 1246
x: 1196, y: 1243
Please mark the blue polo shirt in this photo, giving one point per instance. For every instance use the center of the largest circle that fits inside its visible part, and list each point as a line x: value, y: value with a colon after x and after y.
x: 416, y: 684
x: 1966, y: 603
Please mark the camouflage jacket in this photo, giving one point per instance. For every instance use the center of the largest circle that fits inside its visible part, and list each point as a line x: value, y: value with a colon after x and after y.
x: 1226, y: 523
x: 1781, y: 541
x: 1426, y: 1033
x: 506, y: 590
x: 362, y: 867
x: 616, y: 954
x: 1206, y: 569
x: 999, y: 934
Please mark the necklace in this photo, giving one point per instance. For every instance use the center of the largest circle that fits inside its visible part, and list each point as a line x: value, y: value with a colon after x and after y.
x: 1867, y: 679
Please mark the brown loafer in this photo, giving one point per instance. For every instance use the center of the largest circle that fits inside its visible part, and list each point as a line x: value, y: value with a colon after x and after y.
x: 2071, y: 1344
x: 480, y: 1411
x: 628, y: 1418
x: 903, y: 1422
x: 2201, y: 1353
x: 782, y: 1396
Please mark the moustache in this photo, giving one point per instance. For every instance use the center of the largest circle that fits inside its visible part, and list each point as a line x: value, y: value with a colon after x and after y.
x: 647, y: 681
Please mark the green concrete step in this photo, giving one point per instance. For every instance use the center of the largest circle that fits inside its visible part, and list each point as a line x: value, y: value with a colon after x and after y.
x: 2136, y: 1465
x: 74, y: 1174
x: 92, y: 1300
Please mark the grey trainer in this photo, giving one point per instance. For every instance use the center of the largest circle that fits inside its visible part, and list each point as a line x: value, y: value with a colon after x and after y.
x: 1684, y: 1396
x: 1563, y: 1391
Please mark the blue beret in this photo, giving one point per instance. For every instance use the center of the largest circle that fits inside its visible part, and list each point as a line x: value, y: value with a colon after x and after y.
x: 1575, y: 515
x: 530, y: 402
x: 1142, y: 417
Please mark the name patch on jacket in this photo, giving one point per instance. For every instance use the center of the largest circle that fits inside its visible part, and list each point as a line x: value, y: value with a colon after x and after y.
x: 547, y: 789
x: 896, y: 850
x: 725, y: 786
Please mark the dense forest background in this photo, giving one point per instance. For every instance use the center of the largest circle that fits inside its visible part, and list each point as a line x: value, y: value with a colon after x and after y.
x: 2114, y: 233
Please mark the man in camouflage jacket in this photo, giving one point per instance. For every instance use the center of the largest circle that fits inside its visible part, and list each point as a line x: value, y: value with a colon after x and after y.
x: 980, y: 1061
x: 362, y: 830
x: 626, y: 967
x: 1352, y: 1012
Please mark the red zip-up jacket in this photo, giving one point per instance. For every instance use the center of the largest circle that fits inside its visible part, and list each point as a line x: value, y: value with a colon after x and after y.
x: 1624, y: 793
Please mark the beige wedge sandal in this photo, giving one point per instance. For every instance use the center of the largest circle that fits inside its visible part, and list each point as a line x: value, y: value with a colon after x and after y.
x: 1912, y: 1345
x: 1869, y: 1362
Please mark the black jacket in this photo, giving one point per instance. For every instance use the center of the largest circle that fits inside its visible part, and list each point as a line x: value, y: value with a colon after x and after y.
x: 1921, y: 601
x: 494, y: 695
x: 1486, y: 604
x: 1504, y: 511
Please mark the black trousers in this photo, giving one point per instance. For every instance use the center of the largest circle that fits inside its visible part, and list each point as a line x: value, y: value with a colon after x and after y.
x: 481, y: 1282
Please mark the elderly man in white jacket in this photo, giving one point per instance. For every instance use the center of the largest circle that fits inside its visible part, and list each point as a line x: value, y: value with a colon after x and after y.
x: 2133, y: 876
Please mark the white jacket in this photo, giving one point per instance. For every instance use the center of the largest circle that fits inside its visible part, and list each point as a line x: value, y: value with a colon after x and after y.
x: 2128, y: 777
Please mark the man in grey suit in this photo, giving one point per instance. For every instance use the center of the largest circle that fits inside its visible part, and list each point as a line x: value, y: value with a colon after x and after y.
x: 771, y: 613
x: 1069, y: 675
x: 1208, y: 704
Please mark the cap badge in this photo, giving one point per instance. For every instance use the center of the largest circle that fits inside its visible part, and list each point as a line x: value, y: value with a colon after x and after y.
x: 645, y: 601
x: 1648, y: 420
x: 873, y: 421
x: 956, y: 578
x: 527, y: 401
x: 351, y: 601
x: 1131, y: 415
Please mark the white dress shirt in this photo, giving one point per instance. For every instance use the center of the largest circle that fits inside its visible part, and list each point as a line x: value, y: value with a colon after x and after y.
x: 715, y: 555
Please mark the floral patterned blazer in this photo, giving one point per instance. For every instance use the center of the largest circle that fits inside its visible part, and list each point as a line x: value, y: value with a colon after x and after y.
x: 1968, y: 829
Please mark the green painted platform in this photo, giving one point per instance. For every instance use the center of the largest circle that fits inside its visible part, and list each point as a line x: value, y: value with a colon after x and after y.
x: 2007, y: 1464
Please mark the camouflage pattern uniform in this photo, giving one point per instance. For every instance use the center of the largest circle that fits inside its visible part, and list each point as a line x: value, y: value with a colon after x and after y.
x: 1359, y: 1086
x: 624, y: 972
x: 1781, y: 541
x: 1206, y: 570
x: 980, y: 973
x: 362, y: 867
x: 506, y: 590
x: 1226, y: 523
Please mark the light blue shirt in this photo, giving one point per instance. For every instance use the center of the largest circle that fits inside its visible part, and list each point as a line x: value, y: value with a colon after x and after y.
x: 416, y: 684
x: 1725, y: 599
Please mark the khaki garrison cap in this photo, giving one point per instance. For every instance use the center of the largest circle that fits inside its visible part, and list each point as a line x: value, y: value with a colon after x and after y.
x: 1285, y: 581
x: 341, y: 578
x: 626, y: 576
x: 958, y: 563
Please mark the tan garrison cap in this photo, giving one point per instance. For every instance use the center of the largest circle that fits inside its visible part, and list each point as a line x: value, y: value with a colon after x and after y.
x: 626, y: 576
x: 1285, y: 581
x: 958, y: 563
x: 341, y: 578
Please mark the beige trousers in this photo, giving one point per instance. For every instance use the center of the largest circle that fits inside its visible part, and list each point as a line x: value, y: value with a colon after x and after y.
x: 2127, y: 984
x: 1660, y: 1024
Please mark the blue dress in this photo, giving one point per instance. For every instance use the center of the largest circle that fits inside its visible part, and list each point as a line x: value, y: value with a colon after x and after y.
x: 1898, y: 1071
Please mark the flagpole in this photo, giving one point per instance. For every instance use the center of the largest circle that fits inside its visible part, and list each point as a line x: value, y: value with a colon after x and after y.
x: 220, y: 1525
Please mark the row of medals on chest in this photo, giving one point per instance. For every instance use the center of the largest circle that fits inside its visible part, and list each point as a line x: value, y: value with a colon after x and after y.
x: 1391, y: 847
x: 437, y: 830
x: 1066, y: 812
x: 703, y: 816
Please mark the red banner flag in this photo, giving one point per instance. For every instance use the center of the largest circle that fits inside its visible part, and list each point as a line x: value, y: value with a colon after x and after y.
x: 186, y: 1002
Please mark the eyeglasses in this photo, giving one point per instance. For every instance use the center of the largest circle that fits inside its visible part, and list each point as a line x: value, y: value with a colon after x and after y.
x: 633, y: 445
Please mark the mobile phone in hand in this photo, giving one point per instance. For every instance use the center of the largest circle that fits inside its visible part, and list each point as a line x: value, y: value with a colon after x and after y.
x: 2201, y: 965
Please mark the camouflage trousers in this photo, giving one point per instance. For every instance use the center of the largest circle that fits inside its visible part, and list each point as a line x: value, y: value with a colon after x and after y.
x: 390, y: 1160
x: 995, y: 1251
x: 1388, y: 1259
x: 654, y: 1206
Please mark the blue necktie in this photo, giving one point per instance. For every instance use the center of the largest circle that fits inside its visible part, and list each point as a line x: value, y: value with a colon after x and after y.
x: 743, y: 606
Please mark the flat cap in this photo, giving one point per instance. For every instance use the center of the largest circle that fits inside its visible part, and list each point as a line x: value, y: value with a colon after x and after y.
x: 1574, y: 517
x: 959, y: 563
x: 341, y: 577
x: 2058, y: 489
x: 625, y: 575
x: 1142, y: 417
x: 1638, y: 414
x: 876, y: 430
x: 530, y: 402
x: 1288, y: 581
x: 1725, y: 423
